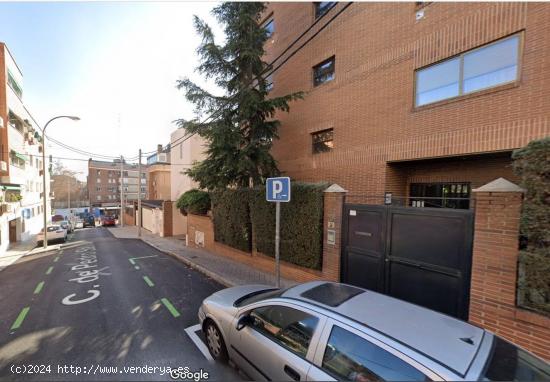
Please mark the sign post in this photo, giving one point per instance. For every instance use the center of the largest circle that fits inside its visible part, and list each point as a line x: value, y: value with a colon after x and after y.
x: 277, y: 191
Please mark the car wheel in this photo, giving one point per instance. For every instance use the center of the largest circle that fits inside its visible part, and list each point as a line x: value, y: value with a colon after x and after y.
x: 215, y: 342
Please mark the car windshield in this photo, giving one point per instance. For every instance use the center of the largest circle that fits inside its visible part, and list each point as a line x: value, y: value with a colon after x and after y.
x: 507, y: 362
x: 53, y: 228
x: 259, y: 295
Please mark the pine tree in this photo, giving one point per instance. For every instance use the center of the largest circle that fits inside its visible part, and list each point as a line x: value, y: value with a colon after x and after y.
x: 239, y: 126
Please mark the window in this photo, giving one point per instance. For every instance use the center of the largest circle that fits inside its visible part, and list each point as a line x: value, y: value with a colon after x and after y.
x: 14, y: 85
x: 323, y: 141
x: 289, y: 327
x: 269, y: 27
x: 98, y: 172
x: 98, y: 197
x: 323, y: 7
x: 17, y: 159
x: 98, y: 189
x: 269, y: 83
x: 440, y: 195
x: 486, y: 67
x: 510, y: 363
x: 352, y: 358
x: 323, y: 72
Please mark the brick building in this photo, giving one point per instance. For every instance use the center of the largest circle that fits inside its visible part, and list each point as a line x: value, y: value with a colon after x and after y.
x: 417, y: 100
x: 104, y: 183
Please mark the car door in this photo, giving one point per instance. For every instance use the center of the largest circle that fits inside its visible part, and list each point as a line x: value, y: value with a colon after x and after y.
x: 278, y: 343
x: 347, y: 353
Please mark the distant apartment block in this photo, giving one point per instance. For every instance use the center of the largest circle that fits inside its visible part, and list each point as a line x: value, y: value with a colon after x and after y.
x: 21, y: 208
x: 104, y: 182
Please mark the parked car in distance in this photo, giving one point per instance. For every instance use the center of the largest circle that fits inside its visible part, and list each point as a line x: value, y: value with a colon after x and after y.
x: 89, y: 221
x: 78, y: 223
x: 330, y: 331
x: 67, y: 224
x: 55, y: 233
x: 108, y: 220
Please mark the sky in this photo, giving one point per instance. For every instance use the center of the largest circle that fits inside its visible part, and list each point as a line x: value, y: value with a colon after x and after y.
x: 113, y: 64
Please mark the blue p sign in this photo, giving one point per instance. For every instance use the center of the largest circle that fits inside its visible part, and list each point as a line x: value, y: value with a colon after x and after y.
x: 278, y: 189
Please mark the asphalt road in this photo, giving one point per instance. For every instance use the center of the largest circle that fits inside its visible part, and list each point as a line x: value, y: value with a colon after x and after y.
x: 99, y: 307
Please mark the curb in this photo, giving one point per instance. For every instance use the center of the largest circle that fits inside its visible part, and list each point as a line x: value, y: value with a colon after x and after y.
x: 216, y: 277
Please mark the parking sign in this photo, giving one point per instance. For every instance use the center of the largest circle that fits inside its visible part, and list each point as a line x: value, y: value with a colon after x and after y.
x: 278, y: 189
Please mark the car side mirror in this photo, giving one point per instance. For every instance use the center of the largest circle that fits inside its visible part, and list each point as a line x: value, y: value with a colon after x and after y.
x: 244, y: 321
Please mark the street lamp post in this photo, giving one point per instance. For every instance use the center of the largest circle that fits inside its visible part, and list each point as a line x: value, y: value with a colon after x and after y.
x: 44, y: 200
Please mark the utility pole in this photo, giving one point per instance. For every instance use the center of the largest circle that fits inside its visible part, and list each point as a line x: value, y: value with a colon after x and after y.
x: 121, y: 220
x: 139, y: 194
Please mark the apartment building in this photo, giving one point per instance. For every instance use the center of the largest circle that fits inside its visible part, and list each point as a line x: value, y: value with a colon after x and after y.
x: 69, y: 192
x: 104, y: 181
x: 409, y: 103
x: 158, y: 173
x: 21, y: 208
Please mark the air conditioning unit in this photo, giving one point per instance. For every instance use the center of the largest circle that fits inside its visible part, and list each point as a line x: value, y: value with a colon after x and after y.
x: 162, y: 157
x: 3, y: 166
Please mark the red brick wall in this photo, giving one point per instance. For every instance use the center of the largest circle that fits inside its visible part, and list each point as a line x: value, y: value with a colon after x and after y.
x: 370, y: 106
x: 331, y: 253
x: 494, y: 275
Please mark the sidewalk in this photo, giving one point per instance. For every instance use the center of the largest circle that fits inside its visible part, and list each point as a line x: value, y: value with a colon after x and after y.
x: 221, y: 269
x: 20, y: 249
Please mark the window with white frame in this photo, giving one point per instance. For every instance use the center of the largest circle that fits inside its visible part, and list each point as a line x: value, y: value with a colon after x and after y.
x: 485, y: 67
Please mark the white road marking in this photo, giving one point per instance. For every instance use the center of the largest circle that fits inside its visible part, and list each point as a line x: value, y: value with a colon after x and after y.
x: 191, y: 332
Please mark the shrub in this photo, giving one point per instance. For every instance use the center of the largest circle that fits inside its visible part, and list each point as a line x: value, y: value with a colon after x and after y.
x: 232, y: 218
x: 532, y: 165
x: 194, y: 201
x: 301, y: 224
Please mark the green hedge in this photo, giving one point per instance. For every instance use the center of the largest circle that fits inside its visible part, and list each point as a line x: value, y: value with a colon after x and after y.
x: 532, y: 164
x: 301, y: 224
x: 232, y: 218
x: 194, y: 202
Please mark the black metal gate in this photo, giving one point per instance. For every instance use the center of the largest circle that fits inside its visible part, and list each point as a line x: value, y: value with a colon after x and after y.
x: 421, y: 255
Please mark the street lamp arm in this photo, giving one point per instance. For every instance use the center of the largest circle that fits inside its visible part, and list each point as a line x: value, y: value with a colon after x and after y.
x: 59, y: 116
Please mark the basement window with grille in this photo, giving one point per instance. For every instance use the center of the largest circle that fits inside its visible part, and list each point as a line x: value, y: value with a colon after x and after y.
x: 323, y: 141
x: 324, y: 72
x: 440, y: 195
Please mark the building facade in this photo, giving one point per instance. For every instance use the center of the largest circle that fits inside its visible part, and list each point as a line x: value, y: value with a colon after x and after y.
x: 21, y: 207
x: 185, y: 150
x: 409, y: 103
x: 69, y: 192
x: 158, y: 174
x: 104, y: 182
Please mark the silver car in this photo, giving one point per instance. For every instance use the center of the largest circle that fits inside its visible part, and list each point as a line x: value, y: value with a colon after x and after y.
x: 321, y: 331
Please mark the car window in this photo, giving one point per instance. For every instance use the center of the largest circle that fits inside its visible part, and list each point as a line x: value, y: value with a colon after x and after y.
x: 53, y: 228
x: 259, y: 295
x: 507, y: 362
x: 353, y: 358
x: 289, y: 327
